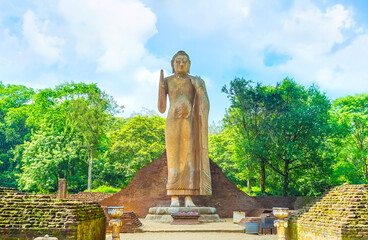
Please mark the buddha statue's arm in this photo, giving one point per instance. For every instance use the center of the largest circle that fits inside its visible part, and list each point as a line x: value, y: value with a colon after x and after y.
x: 162, y: 93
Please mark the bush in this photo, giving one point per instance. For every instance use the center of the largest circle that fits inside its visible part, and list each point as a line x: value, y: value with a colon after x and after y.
x: 104, y: 189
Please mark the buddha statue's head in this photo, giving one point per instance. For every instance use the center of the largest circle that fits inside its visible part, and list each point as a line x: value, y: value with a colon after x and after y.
x: 180, y: 63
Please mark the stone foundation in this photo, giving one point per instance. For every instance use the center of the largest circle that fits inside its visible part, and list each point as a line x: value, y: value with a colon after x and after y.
x: 341, y: 214
x: 163, y: 214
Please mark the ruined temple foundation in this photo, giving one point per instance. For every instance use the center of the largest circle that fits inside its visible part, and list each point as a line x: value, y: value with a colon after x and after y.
x: 163, y: 214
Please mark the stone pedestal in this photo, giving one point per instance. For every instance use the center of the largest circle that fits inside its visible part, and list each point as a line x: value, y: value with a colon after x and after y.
x: 185, y: 219
x: 115, y: 224
x: 281, y: 225
x: 163, y: 214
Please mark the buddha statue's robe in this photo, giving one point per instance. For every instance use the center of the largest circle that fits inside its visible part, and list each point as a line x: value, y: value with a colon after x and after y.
x: 186, y: 134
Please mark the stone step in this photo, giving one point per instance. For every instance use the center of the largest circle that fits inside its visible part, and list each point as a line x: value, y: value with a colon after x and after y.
x: 226, y: 226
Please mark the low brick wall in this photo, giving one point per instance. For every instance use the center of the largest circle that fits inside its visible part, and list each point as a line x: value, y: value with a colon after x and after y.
x: 341, y: 214
x: 27, y: 216
x: 89, y: 196
x: 291, y: 202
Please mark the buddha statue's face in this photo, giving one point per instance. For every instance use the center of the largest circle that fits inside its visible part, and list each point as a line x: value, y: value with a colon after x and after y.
x: 181, y: 64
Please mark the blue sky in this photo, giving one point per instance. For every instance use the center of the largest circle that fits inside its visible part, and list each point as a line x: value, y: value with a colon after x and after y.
x: 122, y: 44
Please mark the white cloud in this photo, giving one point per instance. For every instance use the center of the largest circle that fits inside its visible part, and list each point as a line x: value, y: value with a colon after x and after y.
x: 309, y: 31
x: 111, y: 31
x: 144, y: 93
x: 309, y: 36
x: 206, y: 16
x: 105, y: 41
x: 346, y: 70
x: 246, y: 11
x: 48, y: 47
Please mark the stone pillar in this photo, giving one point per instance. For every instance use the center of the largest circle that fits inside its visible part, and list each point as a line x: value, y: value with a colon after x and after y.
x: 281, y: 225
x: 62, y: 189
x: 115, y: 224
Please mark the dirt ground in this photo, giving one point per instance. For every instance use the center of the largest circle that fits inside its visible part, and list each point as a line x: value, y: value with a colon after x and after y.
x: 193, y: 236
x: 221, y: 231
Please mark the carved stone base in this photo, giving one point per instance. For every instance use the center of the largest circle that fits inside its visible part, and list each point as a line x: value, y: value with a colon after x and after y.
x: 185, y: 219
x: 163, y: 214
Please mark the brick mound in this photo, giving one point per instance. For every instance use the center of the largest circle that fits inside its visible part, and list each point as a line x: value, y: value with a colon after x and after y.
x: 130, y: 223
x: 148, y: 189
x: 341, y: 213
x: 26, y: 216
x: 89, y: 196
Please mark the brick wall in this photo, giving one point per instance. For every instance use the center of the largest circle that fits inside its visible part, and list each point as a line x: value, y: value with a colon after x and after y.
x: 26, y: 216
x: 291, y: 202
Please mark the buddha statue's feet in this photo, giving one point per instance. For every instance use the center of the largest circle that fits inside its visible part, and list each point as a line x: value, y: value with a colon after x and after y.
x: 189, y: 201
x: 175, y: 201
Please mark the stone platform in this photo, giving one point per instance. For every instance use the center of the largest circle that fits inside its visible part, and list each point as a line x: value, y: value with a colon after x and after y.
x: 163, y: 214
x: 225, y: 226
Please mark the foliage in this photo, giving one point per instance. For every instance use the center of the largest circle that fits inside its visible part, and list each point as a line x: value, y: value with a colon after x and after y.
x: 351, y: 145
x: 140, y: 141
x: 104, y: 189
x: 50, y: 156
x: 14, y: 107
x: 284, y: 127
x: 221, y: 151
x: 273, y: 140
x: 51, y: 132
x: 89, y: 115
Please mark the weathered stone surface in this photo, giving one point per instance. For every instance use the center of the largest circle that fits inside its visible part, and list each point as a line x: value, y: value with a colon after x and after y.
x: 88, y: 196
x: 27, y: 216
x: 148, y: 189
x: 167, y: 218
x: 62, y: 188
x: 163, y: 214
x: 342, y: 213
x: 186, y: 131
x: 159, y: 218
x: 171, y: 210
x: 185, y: 220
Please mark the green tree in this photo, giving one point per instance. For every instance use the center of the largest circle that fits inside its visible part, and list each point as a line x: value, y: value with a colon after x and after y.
x: 71, y: 118
x: 90, y: 115
x: 140, y: 141
x: 246, y: 115
x: 351, y: 112
x: 298, y: 130
x: 286, y: 127
x: 51, y: 155
x: 14, y: 107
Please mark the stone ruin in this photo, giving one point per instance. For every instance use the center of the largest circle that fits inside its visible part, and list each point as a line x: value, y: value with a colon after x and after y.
x: 27, y: 216
x: 341, y: 213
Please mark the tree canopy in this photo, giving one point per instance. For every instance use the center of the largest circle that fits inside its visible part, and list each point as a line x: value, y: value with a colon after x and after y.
x: 285, y: 139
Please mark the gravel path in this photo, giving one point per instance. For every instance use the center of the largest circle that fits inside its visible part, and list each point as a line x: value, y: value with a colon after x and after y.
x: 193, y: 236
x: 222, y: 232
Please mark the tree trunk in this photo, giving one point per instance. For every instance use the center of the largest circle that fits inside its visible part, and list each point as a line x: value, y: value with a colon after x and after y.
x: 365, y: 168
x: 263, y: 177
x: 249, y: 185
x: 90, y: 171
x: 286, y: 178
